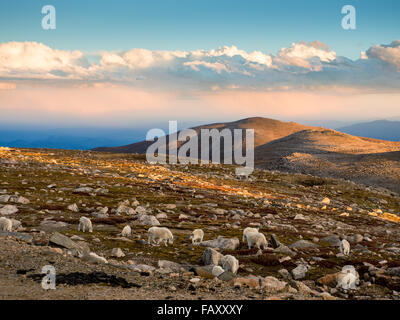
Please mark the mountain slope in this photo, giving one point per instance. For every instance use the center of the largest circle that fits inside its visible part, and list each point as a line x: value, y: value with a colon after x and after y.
x: 265, y: 130
x: 329, y: 153
x: 292, y: 147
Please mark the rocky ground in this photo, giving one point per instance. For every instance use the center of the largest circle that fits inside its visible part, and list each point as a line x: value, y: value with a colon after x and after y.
x: 304, y: 218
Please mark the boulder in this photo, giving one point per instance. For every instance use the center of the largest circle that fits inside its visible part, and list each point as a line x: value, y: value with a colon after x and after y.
x: 227, y: 276
x: 173, y: 266
x: 65, y: 242
x: 211, y: 257
x: 299, y: 272
x: 332, y: 240
x: 123, y: 209
x: 272, y: 285
x: 303, y: 244
x: 251, y: 282
x: 73, y: 207
x: 205, y: 272
x: 147, y: 220
x: 22, y: 200
x: 284, y: 250
x: 140, y: 210
x: 8, y: 210
x: 117, y: 253
x: 4, y: 198
x: 222, y: 243
x: 274, y: 241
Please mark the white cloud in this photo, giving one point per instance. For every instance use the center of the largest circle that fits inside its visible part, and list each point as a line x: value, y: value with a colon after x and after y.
x: 304, y: 55
x: 216, y: 66
x: 301, y: 65
x: 387, y: 53
x: 38, y: 60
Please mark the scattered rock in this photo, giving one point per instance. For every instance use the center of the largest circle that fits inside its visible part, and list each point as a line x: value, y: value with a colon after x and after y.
x: 222, y: 243
x: 303, y: 244
x: 211, y: 257
x: 299, y: 272
x: 8, y: 210
x: 117, y: 253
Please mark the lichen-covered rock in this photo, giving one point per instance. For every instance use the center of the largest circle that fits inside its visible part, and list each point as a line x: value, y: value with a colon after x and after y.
x: 222, y: 243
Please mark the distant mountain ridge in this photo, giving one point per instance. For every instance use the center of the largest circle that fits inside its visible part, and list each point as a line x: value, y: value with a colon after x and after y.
x: 292, y: 147
x: 265, y: 130
x: 379, y: 129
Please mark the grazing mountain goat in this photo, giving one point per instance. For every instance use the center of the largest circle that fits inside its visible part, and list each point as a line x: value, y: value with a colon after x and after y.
x: 5, y: 224
x: 157, y: 235
x: 346, y: 281
x: 85, y: 224
x: 345, y: 247
x: 257, y: 240
x: 230, y: 263
x: 217, y: 270
x: 246, y: 231
x: 197, y: 236
x: 348, y: 278
x: 126, y: 231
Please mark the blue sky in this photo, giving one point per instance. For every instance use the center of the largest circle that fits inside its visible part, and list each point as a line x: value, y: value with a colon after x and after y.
x: 263, y: 25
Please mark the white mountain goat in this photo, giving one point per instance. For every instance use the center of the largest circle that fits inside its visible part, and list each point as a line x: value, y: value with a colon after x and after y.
x: 197, y: 236
x: 93, y: 257
x: 157, y: 235
x: 345, y: 247
x: 85, y: 224
x: 230, y: 263
x: 126, y: 231
x: 246, y: 231
x: 348, y: 278
x: 346, y: 281
x: 257, y: 240
x: 5, y: 224
x: 217, y: 270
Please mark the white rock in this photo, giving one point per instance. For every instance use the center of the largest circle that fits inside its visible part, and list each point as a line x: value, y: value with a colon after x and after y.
x: 73, y: 207
x: 117, y: 252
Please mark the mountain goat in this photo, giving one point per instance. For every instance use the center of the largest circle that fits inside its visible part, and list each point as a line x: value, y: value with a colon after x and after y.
x: 5, y: 224
x: 157, y: 235
x: 257, y: 240
x: 348, y: 278
x: 126, y: 231
x: 85, y: 224
x: 93, y: 257
x: 230, y: 263
x: 246, y: 231
x: 197, y: 236
x: 345, y: 247
x: 346, y: 281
